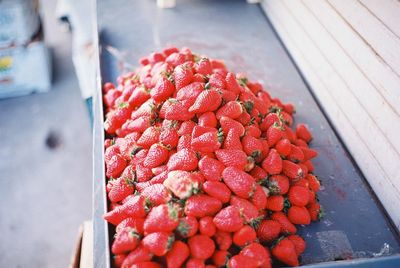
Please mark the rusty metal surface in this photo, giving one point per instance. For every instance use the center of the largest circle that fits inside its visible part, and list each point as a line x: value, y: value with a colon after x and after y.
x: 355, y: 225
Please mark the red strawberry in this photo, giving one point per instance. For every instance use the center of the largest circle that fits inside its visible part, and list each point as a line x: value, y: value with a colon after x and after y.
x: 258, y: 253
x: 207, y: 119
x: 184, y: 159
x: 115, y: 166
x: 217, y: 80
x: 184, y: 142
x: 146, y: 264
x: 275, y: 203
x: 301, y: 143
x: 110, y: 97
x: 162, y: 90
x: 158, y: 243
x: 315, y: 211
x: 309, y: 165
x: 207, y: 101
x: 183, y: 75
x: 115, y: 216
x: 223, y: 240
x: 187, y: 227
x: 283, y: 147
x: 244, y: 118
x: 175, y: 59
x: 201, y: 247
x: 207, y: 226
x: 269, y: 230
x: 181, y: 183
x: 143, y: 173
x: 253, y: 130
x: 259, y: 198
x: 121, y: 188
x: 273, y: 163
x: 202, y: 205
x: 285, y: 252
x: 252, y: 146
x: 228, y: 219
x: 203, y: 66
x: 244, y: 236
x: 290, y: 135
x: 146, y: 109
x: 177, y: 255
x: 178, y: 110
x: 169, y: 137
x: 278, y: 184
x: 139, y: 124
x: 207, y: 142
x: 211, y: 168
x: 308, y: 153
x: 139, y: 96
x: 239, y: 182
x: 218, y: 190
x: 239, y: 261
x: 135, y: 223
x: 229, y: 123
x: 232, y: 140
x: 125, y: 240
x: 190, y: 92
x: 162, y: 218
x: 296, y: 154
x: 117, y: 118
x: 220, y: 258
x: 195, y: 263
x: 156, y: 57
x: 140, y: 254
x: 228, y: 95
x: 248, y: 210
x: 232, y: 158
x: 286, y: 225
x: 232, y: 109
x: 135, y: 207
x: 169, y: 50
x: 303, y: 133
x: 298, y: 242
x: 232, y: 84
x: 259, y: 174
x: 292, y: 170
x: 199, y: 78
x: 186, y: 128
x: 298, y: 196
x: 313, y: 182
x: 157, y: 155
x: 274, y: 134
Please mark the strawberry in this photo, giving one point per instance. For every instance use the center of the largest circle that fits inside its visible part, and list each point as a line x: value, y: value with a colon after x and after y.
x: 252, y: 146
x: 308, y: 153
x: 115, y: 166
x: 158, y: 243
x: 139, y: 124
x: 229, y: 123
x: 207, y: 101
x: 273, y: 163
x: 275, y: 203
x: 203, y: 66
x: 146, y: 264
x: 143, y: 173
x: 184, y: 159
x: 269, y: 120
x: 228, y: 219
x: 211, y: 168
x: 207, y: 142
x: 259, y: 174
x: 253, y: 130
x: 117, y: 118
x: 187, y: 227
x: 207, y: 119
x: 223, y: 240
x: 283, y: 147
x: 309, y: 165
x: 121, y: 188
x: 169, y: 137
x: 135, y: 207
x: 278, y: 184
x: 303, y: 133
x: 285, y: 252
x: 195, y: 263
x: 181, y: 183
x: 183, y: 75
x: 298, y: 242
x: 118, y: 259
x: 190, y: 92
x: 300, y: 143
x: 201, y: 247
x: 162, y: 90
x: 231, y: 83
x: 298, y: 196
x: 218, y: 190
x: 140, y: 254
x: 296, y: 154
x: 162, y: 218
x: 216, y: 81
x: 239, y: 182
x: 115, y: 216
x: 292, y: 170
x: 177, y: 255
x: 170, y: 50
x: 139, y: 96
x: 110, y: 97
x: 248, y: 210
x: 300, y: 182
x: 315, y: 211
x: 232, y: 140
x: 232, y: 109
x: 135, y: 223
x: 286, y: 118
x: 228, y: 95
x: 269, y: 230
x: 232, y: 158
x: 207, y: 226
x: 202, y: 205
x: 258, y: 253
x: 299, y: 215
x: 178, y: 110
x: 274, y: 134
x: 199, y: 78
x: 175, y: 59
x: 125, y: 240
x: 157, y: 155
x: 184, y: 142
x: 239, y: 261
x: 156, y: 57
x: 259, y: 198
x: 220, y: 258
x: 244, y: 236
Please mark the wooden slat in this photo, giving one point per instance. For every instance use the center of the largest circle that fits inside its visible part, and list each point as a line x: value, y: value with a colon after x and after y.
x: 372, y: 30
x: 321, y: 76
x: 387, y: 11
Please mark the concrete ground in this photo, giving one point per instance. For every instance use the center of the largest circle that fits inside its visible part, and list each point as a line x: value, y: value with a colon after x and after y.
x: 45, y: 164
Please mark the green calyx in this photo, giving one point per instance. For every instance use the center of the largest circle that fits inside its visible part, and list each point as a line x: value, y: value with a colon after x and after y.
x: 286, y: 205
x: 255, y: 223
x: 243, y: 81
x: 248, y: 105
x: 220, y: 135
x: 123, y: 105
x: 321, y: 213
x: 207, y: 86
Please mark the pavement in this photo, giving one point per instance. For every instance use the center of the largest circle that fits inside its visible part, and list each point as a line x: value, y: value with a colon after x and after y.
x: 45, y: 164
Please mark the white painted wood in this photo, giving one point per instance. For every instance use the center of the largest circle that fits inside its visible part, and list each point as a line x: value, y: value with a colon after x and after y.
x: 328, y: 87
x: 373, y: 31
x: 387, y: 11
x: 374, y: 69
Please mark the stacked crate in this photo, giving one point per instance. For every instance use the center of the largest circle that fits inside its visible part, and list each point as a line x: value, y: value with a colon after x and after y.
x: 24, y: 58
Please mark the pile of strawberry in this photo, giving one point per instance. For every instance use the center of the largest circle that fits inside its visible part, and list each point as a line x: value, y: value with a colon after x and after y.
x: 203, y: 168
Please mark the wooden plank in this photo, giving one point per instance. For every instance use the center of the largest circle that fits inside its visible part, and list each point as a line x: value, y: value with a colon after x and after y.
x: 374, y: 69
x: 357, y: 84
x: 315, y: 67
x: 87, y: 245
x: 388, y: 12
x: 373, y: 31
